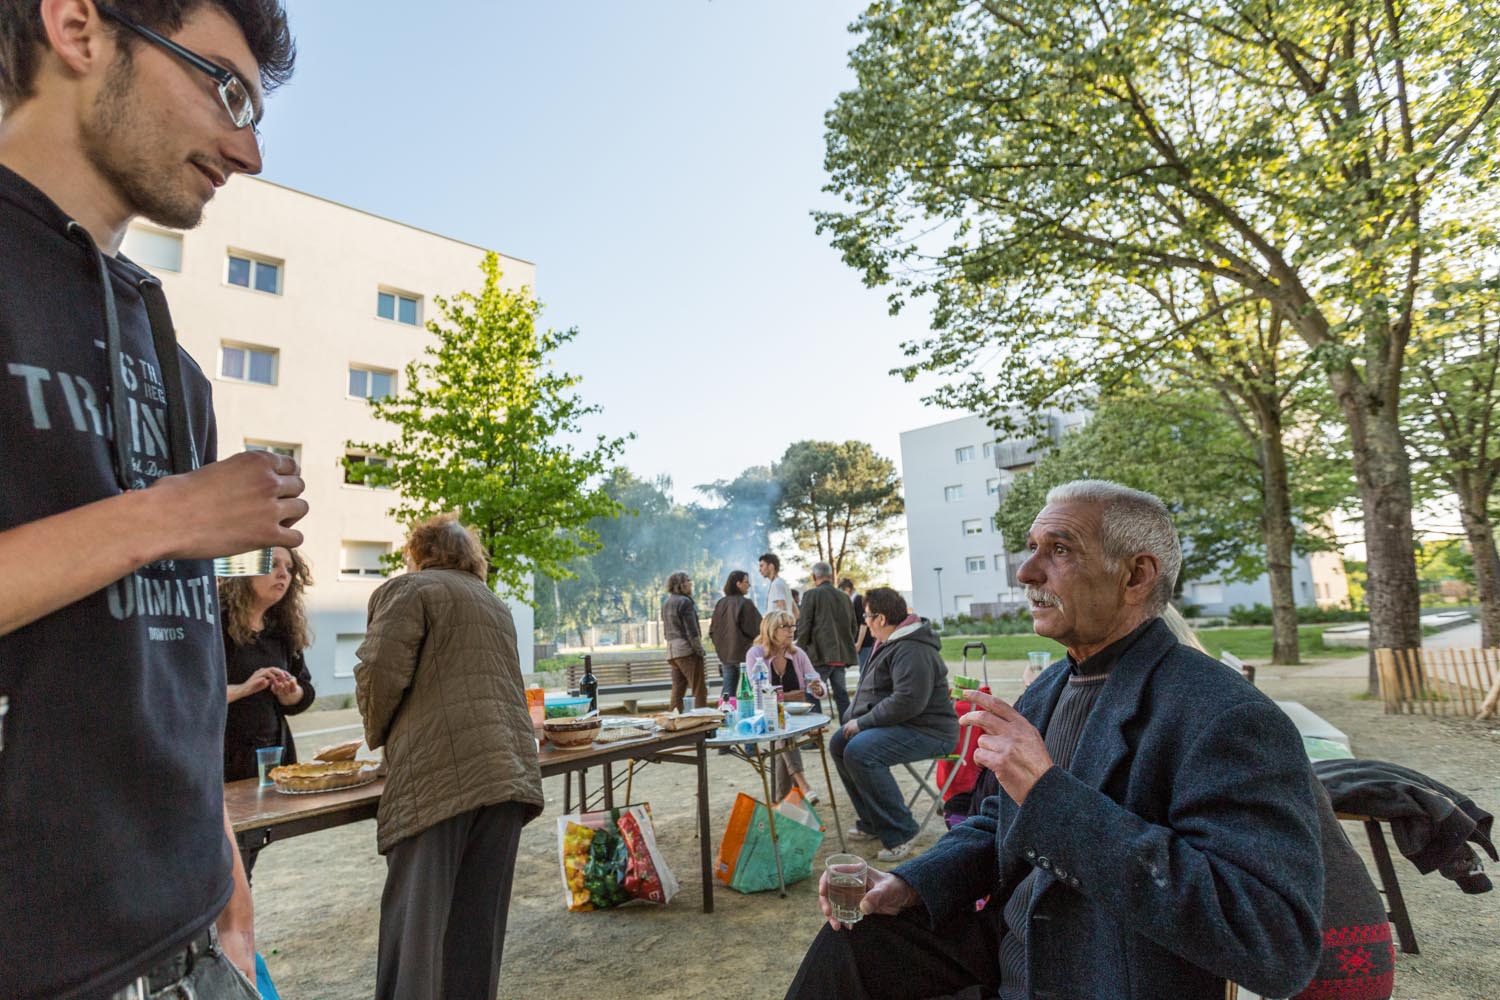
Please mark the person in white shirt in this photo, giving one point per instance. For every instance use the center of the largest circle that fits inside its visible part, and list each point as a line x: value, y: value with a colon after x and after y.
x: 779, y: 597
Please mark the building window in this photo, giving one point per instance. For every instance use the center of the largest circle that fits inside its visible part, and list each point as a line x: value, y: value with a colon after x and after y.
x: 352, y: 478
x: 964, y: 454
x: 363, y: 559
x: 371, y: 383
x: 991, y: 487
x: 952, y: 493
x: 153, y: 248
x: 292, y: 451
x: 244, y: 363
x: 346, y: 653
x: 974, y: 564
x: 989, y: 449
x: 396, y: 306
x: 254, y: 272
x: 974, y: 527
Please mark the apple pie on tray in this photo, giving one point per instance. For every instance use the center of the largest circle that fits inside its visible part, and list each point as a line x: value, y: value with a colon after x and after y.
x: 323, y: 775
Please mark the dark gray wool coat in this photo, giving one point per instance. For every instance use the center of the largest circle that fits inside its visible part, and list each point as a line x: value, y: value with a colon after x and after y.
x: 1180, y: 850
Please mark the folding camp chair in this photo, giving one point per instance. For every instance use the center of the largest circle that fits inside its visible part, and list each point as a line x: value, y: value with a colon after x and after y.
x: 925, y: 783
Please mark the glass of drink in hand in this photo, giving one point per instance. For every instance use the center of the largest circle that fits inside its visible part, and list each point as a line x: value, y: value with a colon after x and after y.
x: 848, y: 878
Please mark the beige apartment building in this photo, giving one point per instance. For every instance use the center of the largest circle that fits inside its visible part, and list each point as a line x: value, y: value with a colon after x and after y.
x: 299, y: 310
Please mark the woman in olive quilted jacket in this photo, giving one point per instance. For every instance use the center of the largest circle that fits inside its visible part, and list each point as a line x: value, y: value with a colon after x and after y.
x: 439, y: 687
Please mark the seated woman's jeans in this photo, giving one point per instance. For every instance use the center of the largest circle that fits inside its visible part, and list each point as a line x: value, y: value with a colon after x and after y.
x: 865, y: 761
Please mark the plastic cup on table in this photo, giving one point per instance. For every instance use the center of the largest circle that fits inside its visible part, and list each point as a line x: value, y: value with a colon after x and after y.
x: 265, y: 759
x: 848, y: 878
x: 688, y: 704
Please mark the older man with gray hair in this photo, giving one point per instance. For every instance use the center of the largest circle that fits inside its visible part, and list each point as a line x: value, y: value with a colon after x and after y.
x: 1155, y: 834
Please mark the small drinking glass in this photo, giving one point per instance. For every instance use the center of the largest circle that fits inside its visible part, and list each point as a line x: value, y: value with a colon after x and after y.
x: 688, y: 703
x: 848, y: 878
x: 1037, y: 660
x: 265, y: 759
x: 257, y: 562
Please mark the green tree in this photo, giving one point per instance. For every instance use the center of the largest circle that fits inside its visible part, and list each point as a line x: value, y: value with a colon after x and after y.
x: 1034, y: 165
x: 1444, y: 560
x: 740, y: 516
x: 839, y: 501
x: 624, y: 578
x: 1188, y: 450
x: 1453, y: 425
x: 482, y: 424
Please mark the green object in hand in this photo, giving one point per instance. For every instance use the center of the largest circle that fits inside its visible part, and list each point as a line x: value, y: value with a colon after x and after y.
x: 965, y: 683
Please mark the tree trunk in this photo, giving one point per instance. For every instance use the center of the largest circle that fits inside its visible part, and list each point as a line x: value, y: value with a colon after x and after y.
x: 1481, y: 534
x: 1278, y: 532
x: 1384, y: 477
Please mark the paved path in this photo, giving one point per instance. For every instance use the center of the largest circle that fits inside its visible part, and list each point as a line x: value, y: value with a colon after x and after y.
x: 1462, y: 637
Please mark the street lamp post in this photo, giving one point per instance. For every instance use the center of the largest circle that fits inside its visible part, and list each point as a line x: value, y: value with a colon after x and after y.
x: 939, y: 571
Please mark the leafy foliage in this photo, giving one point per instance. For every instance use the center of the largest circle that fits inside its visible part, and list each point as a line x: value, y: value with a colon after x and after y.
x: 1184, y: 448
x: 839, y: 501
x: 1056, y: 174
x: 625, y: 579
x: 482, y: 424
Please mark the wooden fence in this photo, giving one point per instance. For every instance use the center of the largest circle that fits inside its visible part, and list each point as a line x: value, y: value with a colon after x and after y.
x: 1439, y: 681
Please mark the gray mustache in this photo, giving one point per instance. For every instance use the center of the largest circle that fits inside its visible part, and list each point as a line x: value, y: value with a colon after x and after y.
x: 1036, y: 595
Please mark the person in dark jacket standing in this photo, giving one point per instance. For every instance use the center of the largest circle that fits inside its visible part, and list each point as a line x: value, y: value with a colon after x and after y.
x: 901, y: 712
x: 265, y: 632
x: 1156, y: 832
x: 684, y: 638
x: 118, y: 869
x: 825, y: 629
x: 864, y: 639
x: 733, y: 629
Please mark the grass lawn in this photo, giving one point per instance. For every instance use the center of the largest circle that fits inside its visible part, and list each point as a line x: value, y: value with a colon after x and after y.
x: 1249, y: 643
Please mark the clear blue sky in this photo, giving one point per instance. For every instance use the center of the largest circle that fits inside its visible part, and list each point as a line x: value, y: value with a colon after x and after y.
x: 658, y: 162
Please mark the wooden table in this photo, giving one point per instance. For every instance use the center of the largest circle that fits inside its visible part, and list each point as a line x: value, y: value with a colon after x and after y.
x: 682, y: 747
x: 262, y: 815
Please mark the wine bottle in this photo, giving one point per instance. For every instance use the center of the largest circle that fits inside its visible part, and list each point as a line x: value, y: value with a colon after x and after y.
x: 588, y: 684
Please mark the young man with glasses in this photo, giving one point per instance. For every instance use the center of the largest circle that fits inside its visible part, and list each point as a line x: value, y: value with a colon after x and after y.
x: 118, y: 871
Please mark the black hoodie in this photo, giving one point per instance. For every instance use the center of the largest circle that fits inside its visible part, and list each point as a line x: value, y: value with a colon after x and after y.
x: 112, y: 846
x: 906, y: 684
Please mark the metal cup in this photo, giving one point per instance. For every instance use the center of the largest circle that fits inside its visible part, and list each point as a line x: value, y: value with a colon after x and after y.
x: 257, y: 562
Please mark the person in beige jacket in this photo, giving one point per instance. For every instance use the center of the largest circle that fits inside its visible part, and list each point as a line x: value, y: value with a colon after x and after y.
x: 439, y: 686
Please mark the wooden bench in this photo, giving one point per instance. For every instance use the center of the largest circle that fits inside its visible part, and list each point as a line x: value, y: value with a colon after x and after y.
x: 1439, y: 681
x: 630, y: 676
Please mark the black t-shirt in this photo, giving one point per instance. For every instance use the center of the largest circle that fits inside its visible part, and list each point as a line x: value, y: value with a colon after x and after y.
x: 859, y: 619
x: 112, y: 846
x: 256, y: 720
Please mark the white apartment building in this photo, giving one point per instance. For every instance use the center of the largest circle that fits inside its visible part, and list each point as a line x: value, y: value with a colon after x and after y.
x: 954, y: 475
x: 299, y: 310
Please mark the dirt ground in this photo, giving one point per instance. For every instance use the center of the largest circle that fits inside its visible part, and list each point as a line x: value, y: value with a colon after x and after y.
x: 318, y: 897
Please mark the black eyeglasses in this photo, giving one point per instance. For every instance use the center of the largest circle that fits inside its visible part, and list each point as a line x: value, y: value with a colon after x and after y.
x: 233, y: 93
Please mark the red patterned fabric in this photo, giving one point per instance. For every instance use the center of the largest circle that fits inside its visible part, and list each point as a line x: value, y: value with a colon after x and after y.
x: 1358, y: 963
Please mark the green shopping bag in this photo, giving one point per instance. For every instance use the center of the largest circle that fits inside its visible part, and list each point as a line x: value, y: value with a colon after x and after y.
x: 746, y: 862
